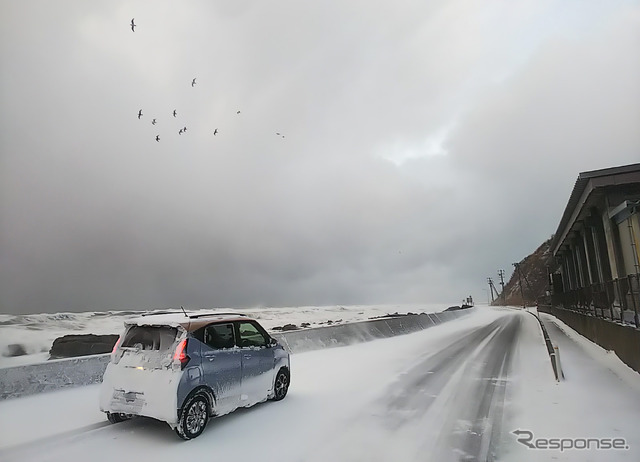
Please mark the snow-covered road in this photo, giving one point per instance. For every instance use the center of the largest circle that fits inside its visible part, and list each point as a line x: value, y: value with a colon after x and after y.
x: 446, y: 393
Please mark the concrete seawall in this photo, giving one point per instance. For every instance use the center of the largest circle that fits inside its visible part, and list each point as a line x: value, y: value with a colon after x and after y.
x: 86, y: 370
x: 357, y: 332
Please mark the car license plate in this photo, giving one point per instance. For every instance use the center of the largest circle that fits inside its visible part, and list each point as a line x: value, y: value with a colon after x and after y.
x: 128, y: 402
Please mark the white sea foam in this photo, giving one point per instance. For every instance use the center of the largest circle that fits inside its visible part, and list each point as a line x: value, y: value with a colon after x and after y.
x: 35, y: 333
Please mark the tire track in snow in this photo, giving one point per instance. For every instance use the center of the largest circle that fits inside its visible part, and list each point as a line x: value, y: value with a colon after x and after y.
x: 480, y: 441
x: 419, y: 387
x: 23, y: 449
x: 460, y: 406
x: 447, y: 406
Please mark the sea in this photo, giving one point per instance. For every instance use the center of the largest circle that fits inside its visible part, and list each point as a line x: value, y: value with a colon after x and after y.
x: 27, y: 338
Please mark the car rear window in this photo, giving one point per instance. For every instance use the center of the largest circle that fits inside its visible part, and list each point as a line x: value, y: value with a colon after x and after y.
x: 150, y: 337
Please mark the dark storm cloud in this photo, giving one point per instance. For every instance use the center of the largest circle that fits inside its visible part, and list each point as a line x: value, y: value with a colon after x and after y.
x: 495, y: 124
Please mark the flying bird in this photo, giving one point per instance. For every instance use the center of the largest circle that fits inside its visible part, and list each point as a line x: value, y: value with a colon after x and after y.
x: 238, y: 112
x: 193, y: 82
x: 157, y: 137
x: 153, y: 122
x: 133, y: 25
x: 215, y: 132
x: 180, y: 132
x: 184, y: 129
x: 174, y: 113
x: 139, y: 114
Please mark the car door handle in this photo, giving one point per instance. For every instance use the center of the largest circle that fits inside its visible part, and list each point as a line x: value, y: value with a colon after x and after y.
x: 247, y: 356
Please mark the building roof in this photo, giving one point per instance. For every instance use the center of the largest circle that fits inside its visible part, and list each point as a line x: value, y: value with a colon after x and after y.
x: 586, y: 183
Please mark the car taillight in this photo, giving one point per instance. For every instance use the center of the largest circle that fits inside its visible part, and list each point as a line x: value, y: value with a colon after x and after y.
x: 117, y: 344
x: 181, y: 354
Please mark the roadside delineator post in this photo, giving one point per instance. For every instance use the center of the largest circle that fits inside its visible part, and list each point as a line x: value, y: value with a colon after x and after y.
x: 556, y: 358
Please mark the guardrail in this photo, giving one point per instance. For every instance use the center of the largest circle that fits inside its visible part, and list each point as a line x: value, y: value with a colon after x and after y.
x: 86, y: 370
x: 551, y: 349
x: 616, y: 300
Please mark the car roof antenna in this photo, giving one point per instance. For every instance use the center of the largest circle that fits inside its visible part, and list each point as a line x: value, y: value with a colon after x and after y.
x: 185, y: 313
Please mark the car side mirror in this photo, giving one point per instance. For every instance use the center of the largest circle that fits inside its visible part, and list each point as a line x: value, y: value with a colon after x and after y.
x: 272, y: 342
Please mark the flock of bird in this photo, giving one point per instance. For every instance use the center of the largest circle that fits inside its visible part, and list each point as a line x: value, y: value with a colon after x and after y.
x: 175, y: 112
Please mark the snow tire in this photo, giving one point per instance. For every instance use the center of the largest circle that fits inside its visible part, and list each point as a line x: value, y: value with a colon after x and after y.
x: 281, y: 385
x: 194, y: 417
x: 116, y: 417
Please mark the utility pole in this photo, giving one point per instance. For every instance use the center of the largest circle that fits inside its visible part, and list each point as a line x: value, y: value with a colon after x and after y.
x: 501, y: 274
x: 531, y: 292
x: 491, y: 288
x: 517, y: 266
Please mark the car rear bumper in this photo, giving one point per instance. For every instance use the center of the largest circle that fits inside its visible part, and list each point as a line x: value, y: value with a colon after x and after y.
x: 143, y: 392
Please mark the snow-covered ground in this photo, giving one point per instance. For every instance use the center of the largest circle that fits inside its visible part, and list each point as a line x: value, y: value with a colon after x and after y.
x: 422, y: 396
x: 598, y: 398
x: 36, y: 332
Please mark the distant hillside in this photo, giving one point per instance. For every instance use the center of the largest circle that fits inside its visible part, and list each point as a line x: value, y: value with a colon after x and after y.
x: 534, y: 269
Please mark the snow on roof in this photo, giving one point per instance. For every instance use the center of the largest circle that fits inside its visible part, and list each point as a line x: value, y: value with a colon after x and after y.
x: 187, y: 322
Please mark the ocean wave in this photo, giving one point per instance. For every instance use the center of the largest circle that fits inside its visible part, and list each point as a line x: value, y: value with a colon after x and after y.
x: 35, y: 333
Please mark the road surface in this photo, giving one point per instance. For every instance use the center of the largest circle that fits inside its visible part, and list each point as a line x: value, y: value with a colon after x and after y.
x: 434, y: 395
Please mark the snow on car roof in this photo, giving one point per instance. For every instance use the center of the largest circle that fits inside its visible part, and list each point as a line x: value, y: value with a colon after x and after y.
x: 188, y: 322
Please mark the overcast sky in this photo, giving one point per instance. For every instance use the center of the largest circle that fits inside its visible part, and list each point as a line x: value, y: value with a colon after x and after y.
x: 426, y: 145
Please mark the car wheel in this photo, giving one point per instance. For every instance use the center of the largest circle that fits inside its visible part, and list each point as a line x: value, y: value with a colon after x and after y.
x: 194, y: 417
x: 115, y: 417
x: 281, y: 385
